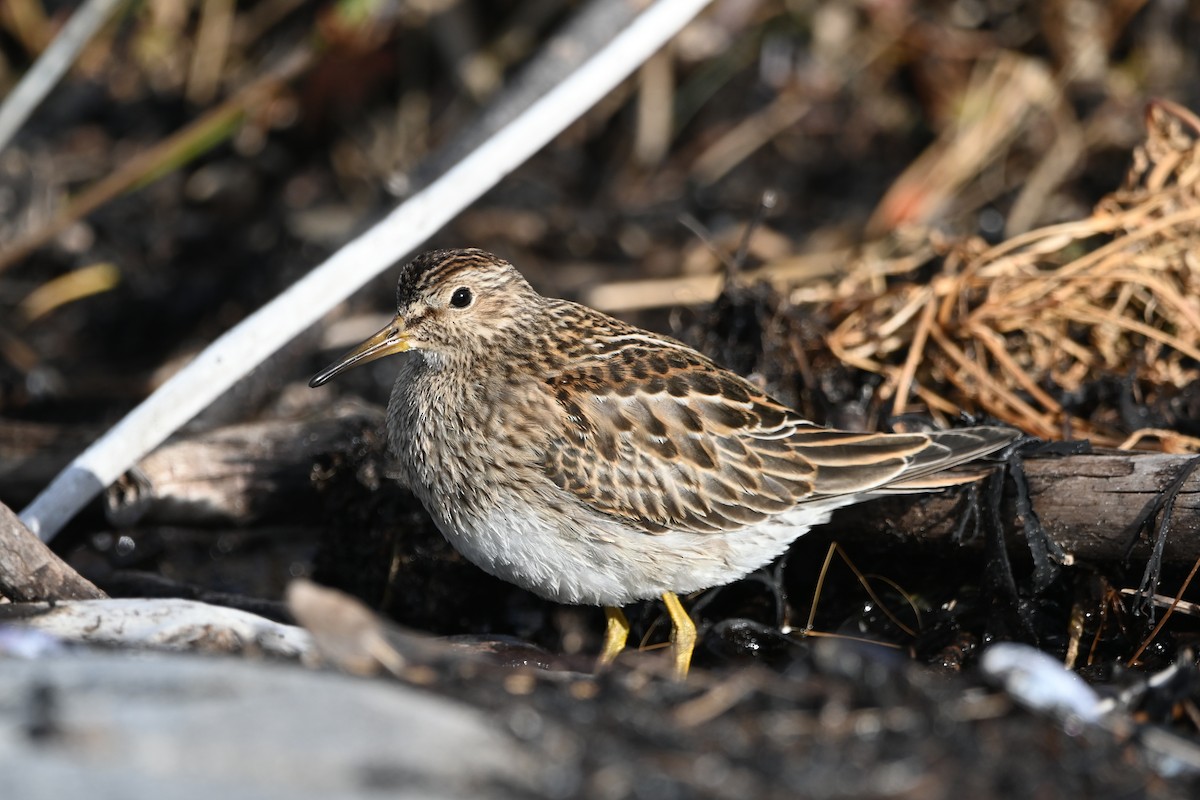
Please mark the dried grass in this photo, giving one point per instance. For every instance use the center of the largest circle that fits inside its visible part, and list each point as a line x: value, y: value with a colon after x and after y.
x: 1008, y: 329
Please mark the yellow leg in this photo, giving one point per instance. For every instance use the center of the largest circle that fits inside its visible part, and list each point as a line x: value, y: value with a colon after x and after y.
x: 683, y: 635
x: 614, y: 637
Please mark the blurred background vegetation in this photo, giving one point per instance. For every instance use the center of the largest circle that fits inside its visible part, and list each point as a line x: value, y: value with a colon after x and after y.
x: 204, y: 153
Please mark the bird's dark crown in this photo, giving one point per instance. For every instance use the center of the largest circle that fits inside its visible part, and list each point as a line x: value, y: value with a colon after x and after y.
x: 438, y: 268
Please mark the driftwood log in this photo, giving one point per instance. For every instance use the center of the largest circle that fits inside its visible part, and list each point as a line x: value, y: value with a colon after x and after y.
x: 161, y: 624
x: 233, y: 475
x: 1087, y: 504
x: 243, y: 474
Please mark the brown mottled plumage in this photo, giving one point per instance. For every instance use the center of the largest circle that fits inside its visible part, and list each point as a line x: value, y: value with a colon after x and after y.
x: 591, y: 461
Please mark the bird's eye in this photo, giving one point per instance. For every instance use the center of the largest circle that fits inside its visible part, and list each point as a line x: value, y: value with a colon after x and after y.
x: 461, y: 297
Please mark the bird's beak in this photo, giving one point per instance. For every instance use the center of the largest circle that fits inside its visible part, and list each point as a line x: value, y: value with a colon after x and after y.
x: 392, y: 339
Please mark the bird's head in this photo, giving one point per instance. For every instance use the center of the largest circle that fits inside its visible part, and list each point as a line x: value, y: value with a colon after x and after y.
x: 450, y: 304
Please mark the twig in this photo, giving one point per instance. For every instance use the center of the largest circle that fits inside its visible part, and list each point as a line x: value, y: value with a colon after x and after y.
x: 1133, y: 659
x: 915, y: 353
x: 835, y: 548
x: 618, y: 297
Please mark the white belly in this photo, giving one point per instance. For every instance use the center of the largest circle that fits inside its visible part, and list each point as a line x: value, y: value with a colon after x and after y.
x: 585, y: 558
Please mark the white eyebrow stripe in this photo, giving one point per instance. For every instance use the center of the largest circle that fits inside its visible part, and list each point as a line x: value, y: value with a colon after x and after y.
x: 619, y: 344
x: 628, y: 339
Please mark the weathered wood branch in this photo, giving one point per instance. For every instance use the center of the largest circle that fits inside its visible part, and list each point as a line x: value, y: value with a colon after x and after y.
x: 230, y: 476
x: 29, y: 571
x: 168, y: 624
x: 1086, y: 504
x: 243, y: 474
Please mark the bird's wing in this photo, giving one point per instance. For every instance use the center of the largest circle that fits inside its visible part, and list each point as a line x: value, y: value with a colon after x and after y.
x: 657, y: 435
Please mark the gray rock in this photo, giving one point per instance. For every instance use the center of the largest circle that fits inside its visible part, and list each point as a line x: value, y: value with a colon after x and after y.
x: 177, y: 727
